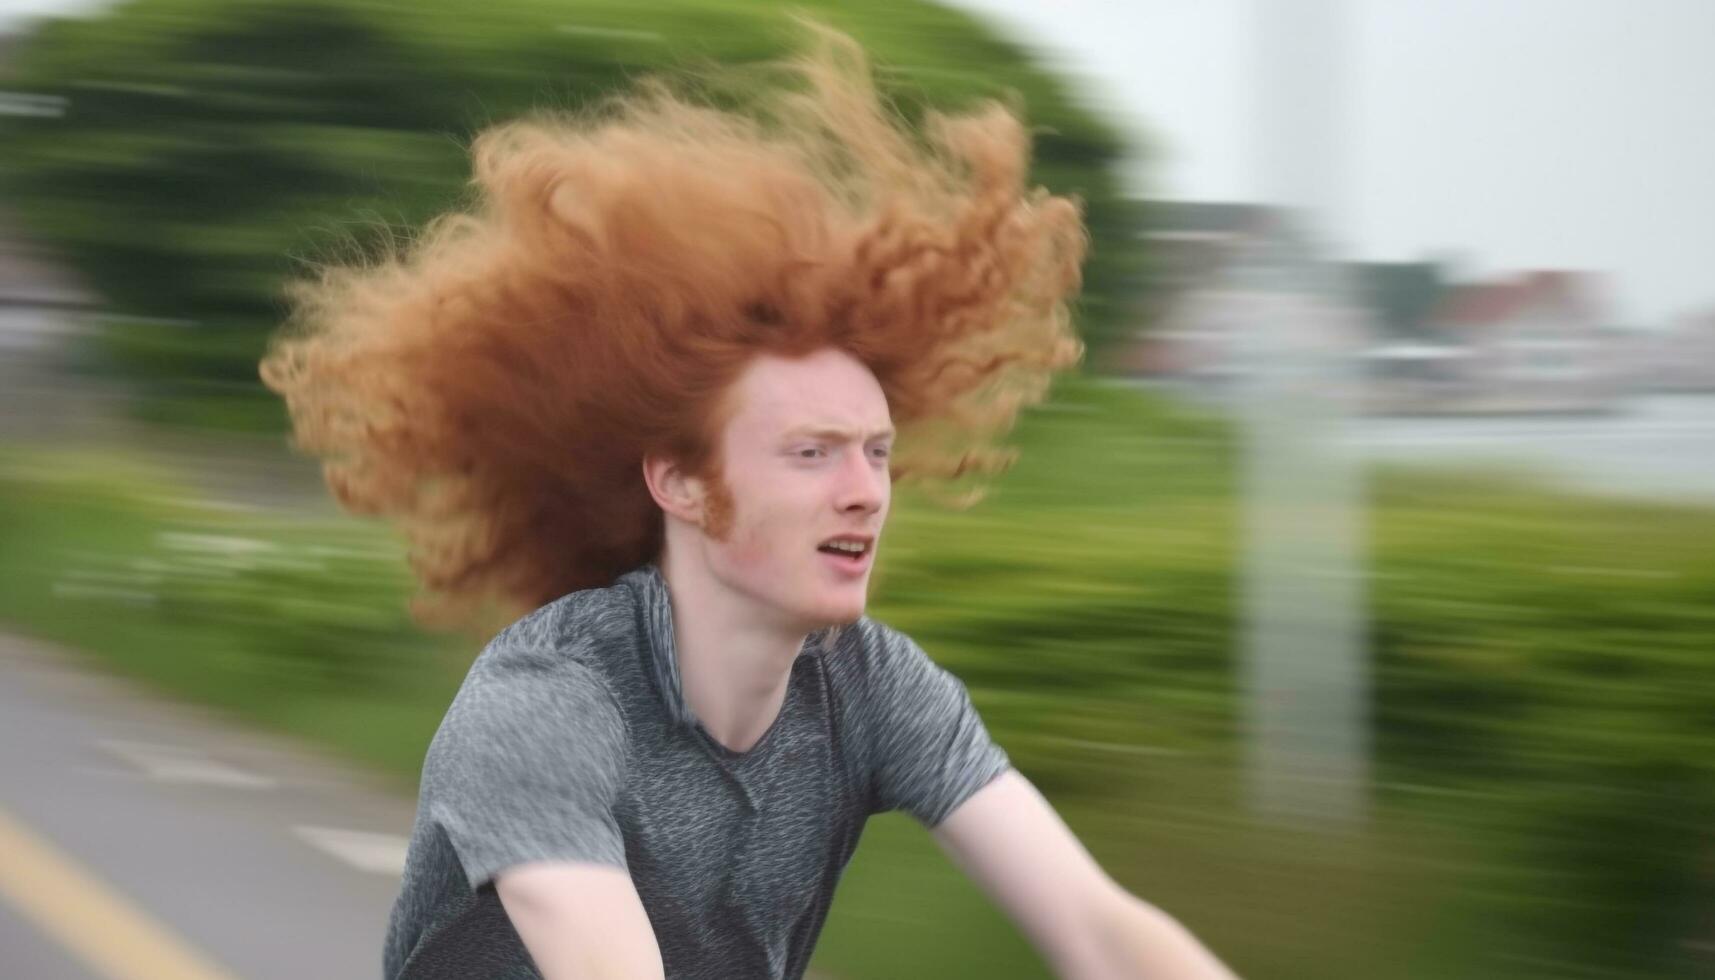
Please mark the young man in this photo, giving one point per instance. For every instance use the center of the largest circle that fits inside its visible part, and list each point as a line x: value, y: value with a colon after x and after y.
x: 650, y: 391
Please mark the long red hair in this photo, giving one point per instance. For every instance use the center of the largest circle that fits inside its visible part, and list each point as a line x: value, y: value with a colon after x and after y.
x: 494, y: 385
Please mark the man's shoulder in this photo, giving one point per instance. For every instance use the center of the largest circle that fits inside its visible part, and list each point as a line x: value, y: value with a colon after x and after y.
x: 868, y: 650
x: 561, y: 659
x: 535, y: 713
x: 544, y: 674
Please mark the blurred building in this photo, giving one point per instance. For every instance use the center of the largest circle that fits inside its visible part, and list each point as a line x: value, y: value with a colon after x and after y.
x: 30, y: 279
x: 1539, y: 341
x: 1204, y: 301
x: 1680, y: 358
x: 1409, y: 363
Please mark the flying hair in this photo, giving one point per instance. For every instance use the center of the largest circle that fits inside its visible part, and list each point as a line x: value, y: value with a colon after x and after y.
x: 492, y: 386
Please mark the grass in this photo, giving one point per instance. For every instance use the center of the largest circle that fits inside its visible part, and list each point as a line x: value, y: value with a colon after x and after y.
x: 1541, y: 714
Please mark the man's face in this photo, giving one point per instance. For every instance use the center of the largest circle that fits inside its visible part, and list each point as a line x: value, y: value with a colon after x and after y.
x: 804, y: 459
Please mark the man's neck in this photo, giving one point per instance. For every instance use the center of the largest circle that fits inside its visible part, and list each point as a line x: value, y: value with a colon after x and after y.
x: 734, y: 663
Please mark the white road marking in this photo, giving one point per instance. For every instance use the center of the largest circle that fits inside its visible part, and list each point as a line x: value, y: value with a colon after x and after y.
x: 173, y: 764
x: 362, y: 849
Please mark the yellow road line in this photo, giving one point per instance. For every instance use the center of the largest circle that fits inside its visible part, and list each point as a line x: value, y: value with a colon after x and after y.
x: 107, y: 933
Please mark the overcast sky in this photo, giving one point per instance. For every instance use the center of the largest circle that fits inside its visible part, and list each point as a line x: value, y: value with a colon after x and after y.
x: 1515, y: 133
x: 1518, y: 133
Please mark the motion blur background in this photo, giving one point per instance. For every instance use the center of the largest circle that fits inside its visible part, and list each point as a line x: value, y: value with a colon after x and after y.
x: 1356, y: 603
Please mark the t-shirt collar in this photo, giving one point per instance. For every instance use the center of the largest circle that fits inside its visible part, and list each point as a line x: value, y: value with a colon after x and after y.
x: 656, y: 614
x: 655, y: 610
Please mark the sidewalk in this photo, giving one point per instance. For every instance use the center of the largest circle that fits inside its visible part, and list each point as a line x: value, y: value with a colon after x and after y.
x: 253, y: 854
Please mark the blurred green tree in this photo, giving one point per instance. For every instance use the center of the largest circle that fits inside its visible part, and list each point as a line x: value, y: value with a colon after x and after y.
x: 208, y: 146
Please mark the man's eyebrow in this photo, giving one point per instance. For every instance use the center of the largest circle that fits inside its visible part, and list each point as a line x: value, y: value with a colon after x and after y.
x: 835, y: 432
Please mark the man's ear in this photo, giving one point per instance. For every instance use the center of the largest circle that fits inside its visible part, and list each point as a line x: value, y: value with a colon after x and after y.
x: 677, y: 493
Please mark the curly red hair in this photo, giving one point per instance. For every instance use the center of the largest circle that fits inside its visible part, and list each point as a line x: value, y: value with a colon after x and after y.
x: 494, y: 386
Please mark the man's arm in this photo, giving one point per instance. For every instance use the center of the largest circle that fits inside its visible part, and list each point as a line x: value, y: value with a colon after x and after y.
x: 1010, y: 841
x: 580, y: 921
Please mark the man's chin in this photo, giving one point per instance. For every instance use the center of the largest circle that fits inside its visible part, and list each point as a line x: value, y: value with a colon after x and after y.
x: 846, y: 618
x: 838, y: 614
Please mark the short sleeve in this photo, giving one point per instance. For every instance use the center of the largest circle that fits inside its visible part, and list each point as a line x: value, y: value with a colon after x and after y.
x: 527, y: 765
x: 928, y: 746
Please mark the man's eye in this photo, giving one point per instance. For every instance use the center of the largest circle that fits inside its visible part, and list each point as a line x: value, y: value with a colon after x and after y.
x: 810, y: 452
x: 880, y: 452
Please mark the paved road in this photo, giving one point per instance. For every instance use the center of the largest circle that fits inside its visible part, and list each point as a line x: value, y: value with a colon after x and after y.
x: 146, y: 839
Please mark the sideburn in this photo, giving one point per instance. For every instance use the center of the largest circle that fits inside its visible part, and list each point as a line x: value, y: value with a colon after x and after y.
x: 717, y: 508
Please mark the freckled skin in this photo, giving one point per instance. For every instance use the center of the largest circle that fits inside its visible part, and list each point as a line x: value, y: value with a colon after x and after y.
x: 804, y: 458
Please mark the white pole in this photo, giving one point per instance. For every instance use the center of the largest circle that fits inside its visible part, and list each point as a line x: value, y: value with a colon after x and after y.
x: 1305, y: 677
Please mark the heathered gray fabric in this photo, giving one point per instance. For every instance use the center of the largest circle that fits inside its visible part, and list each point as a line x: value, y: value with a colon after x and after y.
x: 570, y: 740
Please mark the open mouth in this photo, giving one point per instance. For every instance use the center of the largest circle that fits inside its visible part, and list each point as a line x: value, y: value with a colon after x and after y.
x: 852, y: 549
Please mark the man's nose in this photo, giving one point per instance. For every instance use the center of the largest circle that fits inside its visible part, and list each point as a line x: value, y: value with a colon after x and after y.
x: 864, y: 483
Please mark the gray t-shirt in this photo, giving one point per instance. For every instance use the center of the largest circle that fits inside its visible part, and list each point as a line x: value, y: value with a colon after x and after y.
x: 570, y: 740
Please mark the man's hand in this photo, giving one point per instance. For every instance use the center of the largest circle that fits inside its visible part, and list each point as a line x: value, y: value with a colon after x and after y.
x: 580, y: 921
x: 1010, y: 841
